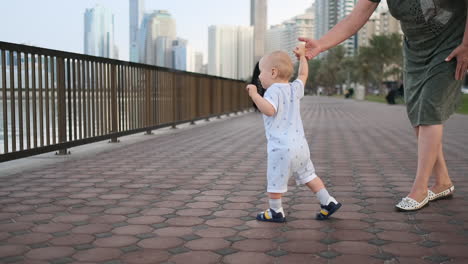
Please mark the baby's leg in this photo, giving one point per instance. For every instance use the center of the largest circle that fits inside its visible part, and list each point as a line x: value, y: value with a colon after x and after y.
x: 328, y: 204
x: 315, y: 185
x: 275, y: 213
x: 277, y: 184
x: 275, y: 201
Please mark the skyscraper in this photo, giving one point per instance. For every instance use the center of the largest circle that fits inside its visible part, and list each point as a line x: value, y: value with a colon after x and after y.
x: 157, y: 32
x: 198, y: 62
x: 284, y: 36
x: 99, y: 33
x: 380, y: 23
x: 245, y: 47
x: 345, y: 7
x: 328, y: 13
x: 230, y: 51
x: 183, y: 56
x: 136, y: 17
x: 258, y: 19
x: 222, y: 51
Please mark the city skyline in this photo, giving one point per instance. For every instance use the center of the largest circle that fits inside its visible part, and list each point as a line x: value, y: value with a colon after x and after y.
x: 193, y: 20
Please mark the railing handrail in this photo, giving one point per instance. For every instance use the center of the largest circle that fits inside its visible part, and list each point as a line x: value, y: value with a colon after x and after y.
x: 58, y: 53
x: 59, y: 99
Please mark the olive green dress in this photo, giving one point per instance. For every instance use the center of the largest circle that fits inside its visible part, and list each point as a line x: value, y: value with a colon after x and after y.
x: 432, y: 29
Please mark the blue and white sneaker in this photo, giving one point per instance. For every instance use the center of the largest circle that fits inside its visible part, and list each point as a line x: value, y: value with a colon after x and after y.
x: 327, y: 210
x: 270, y: 215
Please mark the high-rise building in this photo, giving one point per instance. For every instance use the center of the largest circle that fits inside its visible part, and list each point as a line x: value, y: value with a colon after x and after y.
x: 258, y: 19
x: 273, y: 38
x: 380, y: 23
x: 245, y: 48
x: 198, y: 62
x: 284, y: 36
x: 136, y: 17
x: 328, y: 13
x: 370, y: 29
x: 222, y: 51
x: 230, y: 51
x: 157, y: 32
x: 164, y: 57
x: 345, y: 7
x: 183, y: 56
x: 99, y: 33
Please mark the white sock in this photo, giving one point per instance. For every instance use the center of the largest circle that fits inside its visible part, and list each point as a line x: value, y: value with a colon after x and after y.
x: 275, y: 204
x: 324, y: 197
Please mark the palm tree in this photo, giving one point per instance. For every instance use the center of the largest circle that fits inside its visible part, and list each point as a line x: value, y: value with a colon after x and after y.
x: 329, y: 74
x: 387, y: 52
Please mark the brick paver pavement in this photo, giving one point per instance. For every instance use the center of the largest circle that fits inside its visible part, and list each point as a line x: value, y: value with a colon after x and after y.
x: 191, y: 197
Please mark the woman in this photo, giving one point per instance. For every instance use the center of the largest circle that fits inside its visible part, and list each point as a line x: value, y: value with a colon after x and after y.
x: 436, y: 60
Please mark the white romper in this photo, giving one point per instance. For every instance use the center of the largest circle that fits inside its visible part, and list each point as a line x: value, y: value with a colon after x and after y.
x: 288, y: 151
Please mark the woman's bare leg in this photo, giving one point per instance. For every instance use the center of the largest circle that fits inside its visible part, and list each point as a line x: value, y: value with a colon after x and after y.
x: 442, y: 178
x: 429, y: 144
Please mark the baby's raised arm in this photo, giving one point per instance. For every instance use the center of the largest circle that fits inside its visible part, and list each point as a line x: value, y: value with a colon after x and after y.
x: 303, y: 71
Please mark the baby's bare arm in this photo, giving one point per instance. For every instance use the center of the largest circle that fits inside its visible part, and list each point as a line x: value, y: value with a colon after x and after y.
x: 303, y: 71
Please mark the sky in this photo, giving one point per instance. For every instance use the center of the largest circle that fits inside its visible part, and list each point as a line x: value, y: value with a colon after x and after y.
x: 58, y: 24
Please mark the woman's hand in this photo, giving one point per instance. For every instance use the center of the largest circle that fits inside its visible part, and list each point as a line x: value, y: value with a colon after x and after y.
x: 461, y: 54
x: 312, y: 47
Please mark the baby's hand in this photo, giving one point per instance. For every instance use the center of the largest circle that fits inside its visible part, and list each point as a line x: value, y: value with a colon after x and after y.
x: 252, y: 89
x: 299, y: 50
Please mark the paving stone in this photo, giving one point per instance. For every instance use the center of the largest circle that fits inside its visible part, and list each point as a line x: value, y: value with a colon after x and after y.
x: 370, y: 220
x: 144, y: 236
x: 190, y: 237
x: 328, y: 240
x: 235, y: 238
x: 130, y: 249
x: 374, y: 230
x: 429, y: 244
x: 178, y: 250
x: 280, y: 240
x: 378, y: 242
x: 438, y: 258
x: 384, y: 256
x: 101, y: 235
x: 15, y: 259
x: 84, y: 247
x: 241, y: 228
x: 329, y: 254
x: 62, y: 261
x: 160, y: 225
x: 277, y: 253
x: 226, y: 251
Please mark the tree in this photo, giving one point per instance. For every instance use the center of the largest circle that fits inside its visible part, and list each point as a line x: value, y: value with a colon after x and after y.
x: 330, y: 74
x: 387, y: 53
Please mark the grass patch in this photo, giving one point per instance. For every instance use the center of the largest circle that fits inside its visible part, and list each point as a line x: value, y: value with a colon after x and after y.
x: 463, y: 109
x: 376, y: 98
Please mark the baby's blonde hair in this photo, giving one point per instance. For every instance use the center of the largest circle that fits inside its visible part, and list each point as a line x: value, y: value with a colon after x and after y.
x: 281, y: 61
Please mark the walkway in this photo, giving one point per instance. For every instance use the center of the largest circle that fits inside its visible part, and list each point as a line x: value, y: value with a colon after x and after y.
x: 190, y: 196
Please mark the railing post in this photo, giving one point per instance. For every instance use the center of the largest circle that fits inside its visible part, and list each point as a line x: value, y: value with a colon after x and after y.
x: 174, y: 99
x: 114, y: 117
x: 148, y: 100
x: 194, y: 83
x: 221, y: 99
x: 61, y: 109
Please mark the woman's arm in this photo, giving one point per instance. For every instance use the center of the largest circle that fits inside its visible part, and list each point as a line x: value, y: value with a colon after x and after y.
x: 347, y: 27
x: 461, y: 53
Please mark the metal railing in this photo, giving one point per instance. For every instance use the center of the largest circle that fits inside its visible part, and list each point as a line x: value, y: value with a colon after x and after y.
x: 53, y: 100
